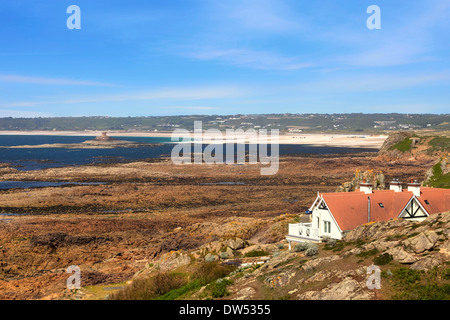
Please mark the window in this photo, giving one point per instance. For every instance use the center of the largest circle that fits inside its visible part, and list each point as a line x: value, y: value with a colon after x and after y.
x: 426, y: 201
x: 381, y: 205
x: 327, y: 226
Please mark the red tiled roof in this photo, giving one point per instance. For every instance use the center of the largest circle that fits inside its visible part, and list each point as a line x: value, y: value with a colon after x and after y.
x: 438, y: 199
x: 351, y: 209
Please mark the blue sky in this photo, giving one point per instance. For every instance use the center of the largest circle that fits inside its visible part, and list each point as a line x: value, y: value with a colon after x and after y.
x: 161, y: 57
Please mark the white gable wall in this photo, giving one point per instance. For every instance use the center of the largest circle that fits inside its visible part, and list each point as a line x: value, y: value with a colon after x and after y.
x: 319, y: 217
x: 414, y: 207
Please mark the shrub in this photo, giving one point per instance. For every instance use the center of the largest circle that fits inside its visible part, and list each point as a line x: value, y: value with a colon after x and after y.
x: 150, y: 288
x: 383, y: 259
x: 211, y: 271
x: 368, y: 253
x: 312, y: 250
x: 405, y: 277
x: 219, y: 288
x: 302, y: 246
x: 256, y: 253
x: 176, y: 293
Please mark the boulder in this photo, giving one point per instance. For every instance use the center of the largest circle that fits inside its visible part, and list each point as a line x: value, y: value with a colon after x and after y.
x: 170, y: 261
x: 236, y: 244
x: 422, y: 242
x: 211, y: 257
x: 400, y: 255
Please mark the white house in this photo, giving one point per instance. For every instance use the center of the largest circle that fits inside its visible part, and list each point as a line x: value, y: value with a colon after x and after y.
x: 333, y: 214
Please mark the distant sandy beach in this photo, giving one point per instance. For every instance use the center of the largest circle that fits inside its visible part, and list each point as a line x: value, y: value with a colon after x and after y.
x: 335, y: 140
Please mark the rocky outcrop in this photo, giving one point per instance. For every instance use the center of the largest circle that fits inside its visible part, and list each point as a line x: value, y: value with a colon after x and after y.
x: 422, y: 245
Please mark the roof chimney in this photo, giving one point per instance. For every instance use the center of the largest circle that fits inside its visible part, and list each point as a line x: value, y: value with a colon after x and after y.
x: 414, y: 187
x: 365, y: 187
x: 395, y: 185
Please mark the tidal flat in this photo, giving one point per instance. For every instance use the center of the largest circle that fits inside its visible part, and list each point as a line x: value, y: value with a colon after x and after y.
x: 145, y: 209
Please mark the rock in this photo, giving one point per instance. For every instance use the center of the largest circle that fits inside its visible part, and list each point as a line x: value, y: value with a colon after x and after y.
x: 211, y: 257
x: 319, y: 261
x: 426, y: 263
x: 445, y: 248
x: 400, y: 255
x: 380, y: 245
x: 173, y: 260
x: 229, y: 252
x: 348, y: 289
x: 236, y: 244
x: 245, y: 293
x: 422, y: 242
x: 281, y: 279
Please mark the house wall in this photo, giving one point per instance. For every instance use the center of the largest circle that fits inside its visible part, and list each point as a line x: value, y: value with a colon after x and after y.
x: 318, y: 218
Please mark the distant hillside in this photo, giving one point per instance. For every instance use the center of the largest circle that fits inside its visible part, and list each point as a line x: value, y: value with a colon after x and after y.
x: 348, y: 123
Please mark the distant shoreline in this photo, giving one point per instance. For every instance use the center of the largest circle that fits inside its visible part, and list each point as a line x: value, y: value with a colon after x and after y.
x: 334, y: 140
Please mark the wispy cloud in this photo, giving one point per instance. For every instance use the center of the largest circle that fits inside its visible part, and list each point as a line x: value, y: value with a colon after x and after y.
x: 260, y: 15
x: 248, y: 58
x: 49, y: 81
x: 165, y: 94
x: 374, y: 82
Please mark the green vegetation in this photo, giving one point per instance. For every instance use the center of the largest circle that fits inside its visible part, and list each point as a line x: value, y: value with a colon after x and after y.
x: 172, y: 286
x: 334, y: 245
x: 310, y: 249
x: 440, y: 144
x: 439, y: 179
x: 348, y: 123
x: 420, y: 285
x: 403, y: 146
x: 218, y: 289
x: 368, y: 253
x: 256, y: 253
x: 383, y: 259
x: 151, y: 288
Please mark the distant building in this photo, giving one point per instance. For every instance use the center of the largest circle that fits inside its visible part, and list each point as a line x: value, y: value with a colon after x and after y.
x: 334, y: 214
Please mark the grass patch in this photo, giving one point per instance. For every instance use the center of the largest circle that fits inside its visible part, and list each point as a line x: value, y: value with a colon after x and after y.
x: 335, y: 246
x: 179, y: 292
x: 150, y: 288
x: 420, y: 285
x: 368, y: 253
x: 440, y: 144
x: 403, y: 146
x: 439, y: 179
x: 172, y: 286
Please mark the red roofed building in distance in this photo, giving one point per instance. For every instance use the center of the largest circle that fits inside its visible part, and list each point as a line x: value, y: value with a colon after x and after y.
x: 334, y: 214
